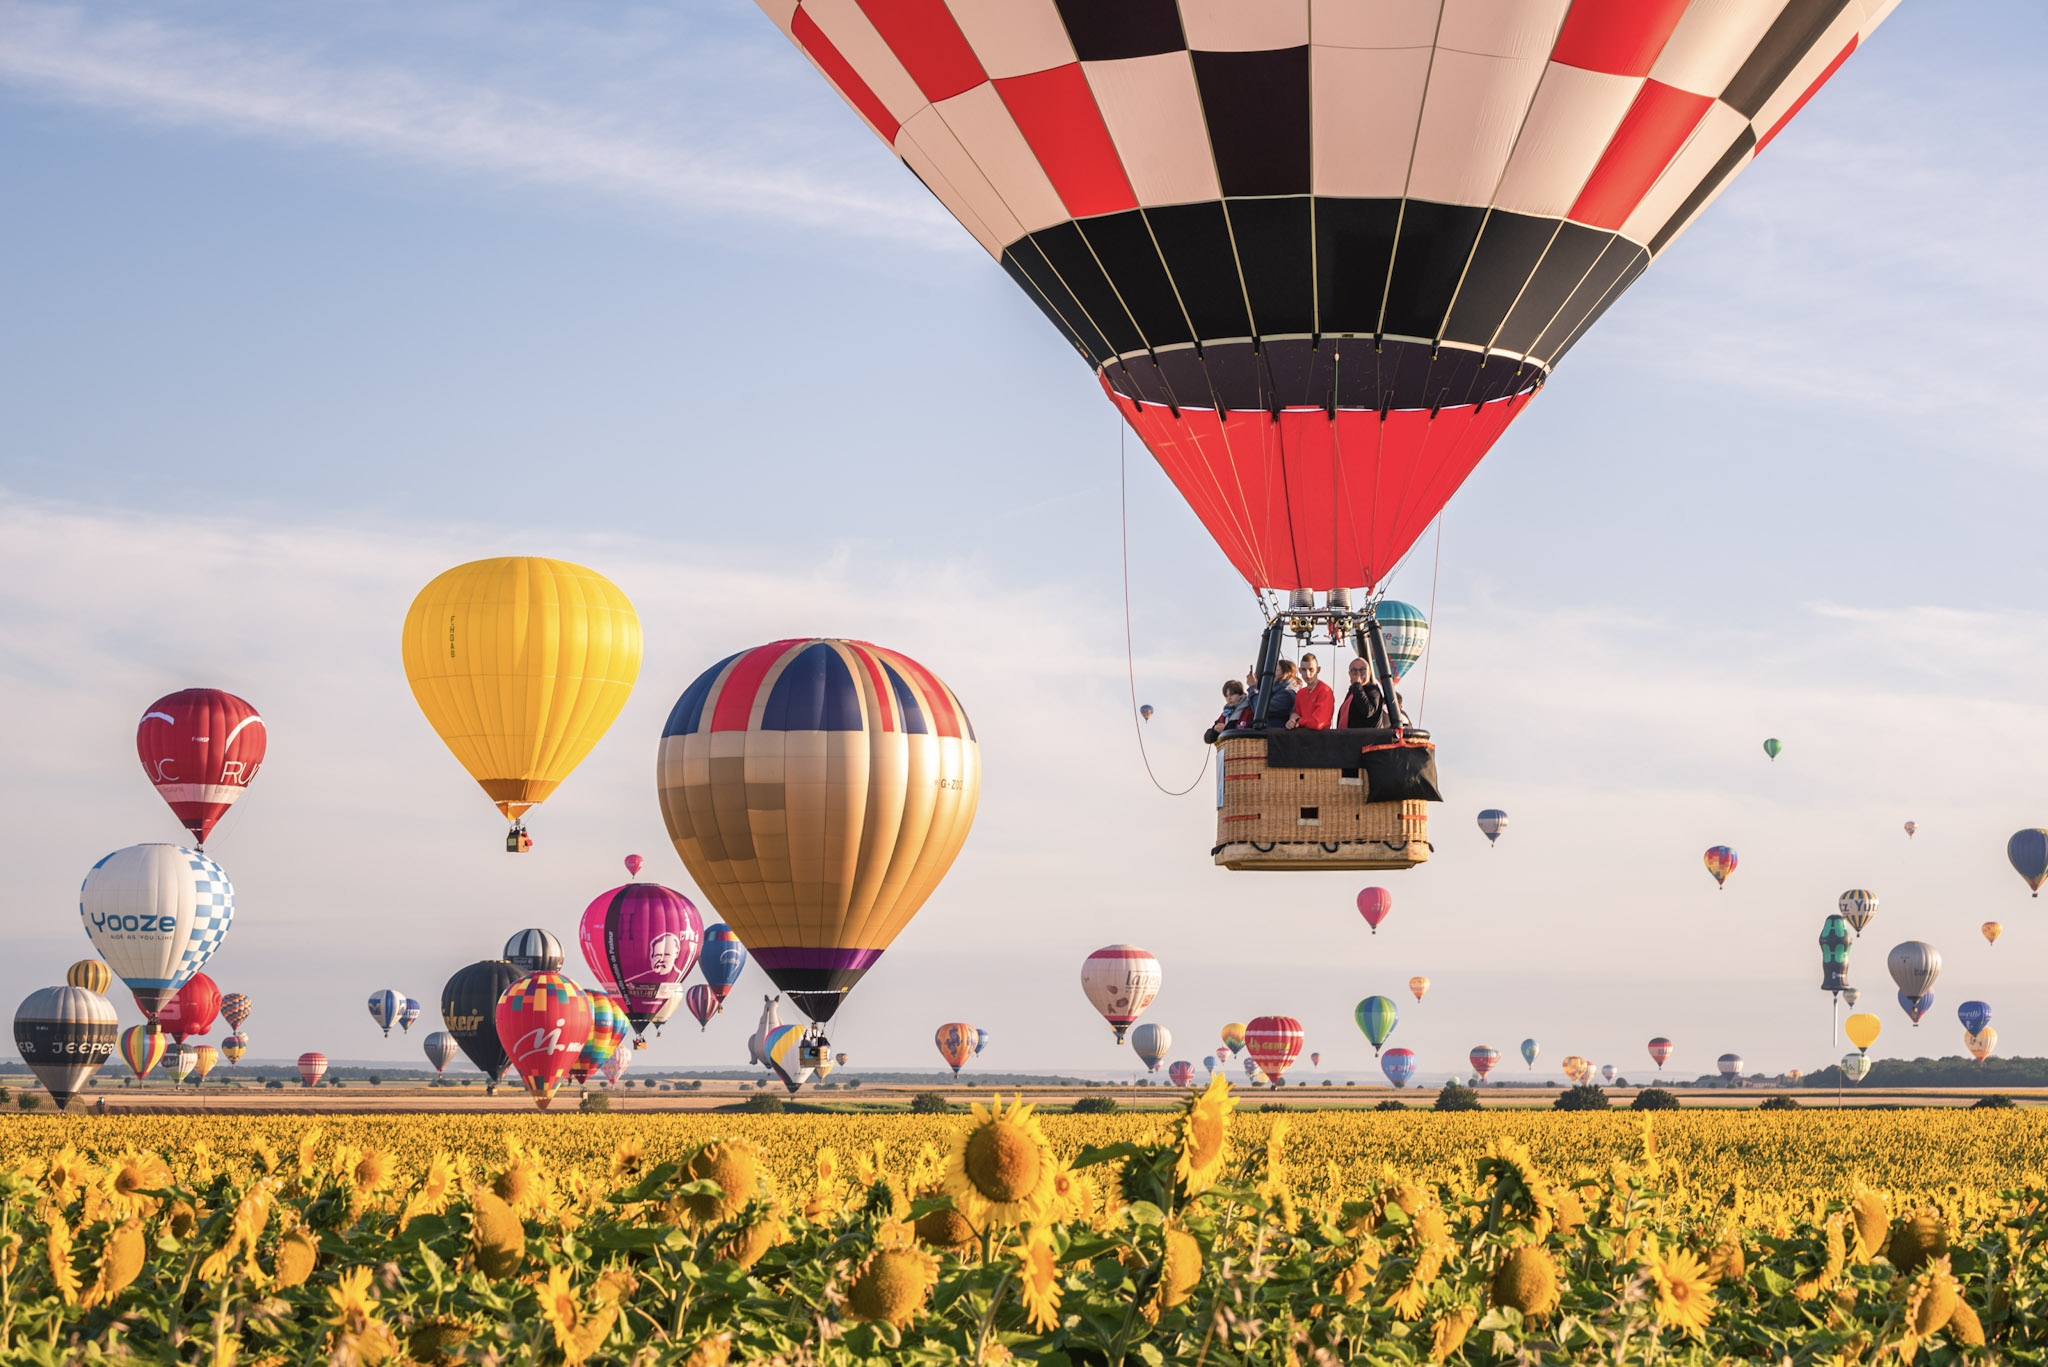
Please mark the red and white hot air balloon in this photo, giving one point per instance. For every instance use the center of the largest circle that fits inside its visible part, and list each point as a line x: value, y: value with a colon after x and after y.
x: 1660, y: 1050
x: 633, y: 863
x: 1373, y: 905
x: 1274, y: 1042
x: 1121, y: 981
x: 200, y: 747
x: 543, y: 1021
x: 312, y: 1067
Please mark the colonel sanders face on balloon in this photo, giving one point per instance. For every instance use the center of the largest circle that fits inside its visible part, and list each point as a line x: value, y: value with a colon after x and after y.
x: 662, y: 955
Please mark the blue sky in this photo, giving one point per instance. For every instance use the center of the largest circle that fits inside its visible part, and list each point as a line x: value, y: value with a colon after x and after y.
x: 303, y: 306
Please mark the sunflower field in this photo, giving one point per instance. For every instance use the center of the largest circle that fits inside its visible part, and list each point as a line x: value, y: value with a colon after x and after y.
x: 1196, y: 1237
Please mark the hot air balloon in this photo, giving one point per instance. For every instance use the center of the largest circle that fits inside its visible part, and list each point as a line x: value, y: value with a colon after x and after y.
x: 182, y: 1060
x: 1377, y: 1017
x: 1406, y: 633
x: 1772, y: 746
x: 1418, y: 985
x: 1398, y: 1065
x: 1209, y: 1062
x: 312, y: 1067
x: 1914, y: 966
x: 1916, y: 1007
x: 543, y: 1021
x: 1252, y: 1073
x: 1858, y: 906
x: 981, y: 1038
x: 1850, y: 994
x: 783, y: 1052
x: 1721, y: 862
x: 818, y: 790
x: 1607, y: 1072
x: 520, y: 664
x: 534, y: 951
x: 1120, y: 981
x: 1483, y: 1058
x: 1992, y: 930
x: 234, y: 1007
x: 441, y: 1048
x: 64, y: 1034
x: 1834, y: 954
x: 1574, y: 1067
x: 668, y: 1008
x: 204, y: 1059
x: 1911, y: 826
x: 1855, y: 1067
x: 1974, y: 1015
x: 192, y: 1009
x: 1146, y: 711
x: 1274, y: 1042
x: 385, y: 1006
x: 143, y: 1048
x: 1863, y: 1030
x: 725, y: 958
x: 469, y: 1008
x: 1315, y: 1060
x: 1181, y: 1073
x: 703, y: 1004
x: 633, y: 863
x: 156, y: 913
x: 1730, y: 1065
x: 1530, y: 1048
x: 1794, y: 1074
x: 233, y: 1047
x: 1660, y: 1050
x: 1980, y: 1043
x: 840, y: 1058
x: 615, y: 1066
x: 956, y: 1043
x: 1233, y: 1037
x: 2028, y: 851
x: 200, y: 747
x: 641, y: 940
x: 407, y: 1014
x: 607, y: 1033
x: 1150, y: 1043
x: 1373, y: 905
x: 1493, y: 821
x: 90, y: 974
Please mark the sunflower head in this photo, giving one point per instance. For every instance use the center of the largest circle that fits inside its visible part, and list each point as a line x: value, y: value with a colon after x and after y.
x: 497, y: 1234
x: 1038, y: 1279
x: 892, y: 1285
x: 297, y: 1254
x: 735, y: 1165
x: 438, y: 1342
x: 1001, y: 1166
x: 1180, y: 1270
x: 522, y: 1185
x: 885, y: 1200
x: 371, y: 1173
x: 1873, y: 1218
x: 945, y: 1228
x: 1527, y: 1281
x: 1073, y: 1196
x: 628, y: 1158
x: 1685, y: 1295
x: 1931, y: 1298
x: 1725, y: 1262
x: 1916, y: 1240
x: 1203, y: 1131
x: 760, y: 1230
x: 121, y: 1257
x: 1449, y: 1335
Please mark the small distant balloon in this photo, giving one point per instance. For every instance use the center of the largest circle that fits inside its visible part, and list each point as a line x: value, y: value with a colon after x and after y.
x: 1980, y: 1043
x: 1233, y: 1037
x: 1405, y: 633
x: 1772, y: 747
x: 1146, y: 711
x: 1607, y: 1072
x: 1209, y: 1062
x: 1493, y: 821
x: 1398, y: 1065
x: 1418, y: 985
x: 1721, y: 862
x: 1181, y: 1073
x: 1660, y: 1050
x: 1992, y: 930
x: 1916, y: 1007
x: 312, y: 1067
x: 1858, y: 906
x: 1483, y: 1057
x: 1914, y: 965
x: 1150, y: 1043
x: 955, y: 1040
x: 1863, y: 1030
x: 703, y: 1004
x: 1377, y: 1017
x: 1530, y: 1048
x: 2028, y: 851
x: 1730, y: 1065
x: 1911, y: 826
x: 1855, y: 1067
x: 1974, y: 1016
x: 1373, y: 905
x: 1315, y: 1060
x: 1850, y: 994
x: 633, y: 863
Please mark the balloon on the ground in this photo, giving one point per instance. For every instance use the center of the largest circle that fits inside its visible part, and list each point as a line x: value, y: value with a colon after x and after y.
x: 1858, y: 905
x: 783, y: 1051
x: 204, y: 1060
x: 543, y: 1021
x: 1120, y: 981
x: 234, y: 1008
x: 1398, y: 1065
x: 143, y: 1048
x: 1483, y: 1058
x: 1373, y: 905
x: 1980, y: 1043
x: 200, y: 748
x: 703, y: 1004
x: 1274, y: 1042
x: 1729, y: 1064
x: 1992, y: 930
x: 156, y: 914
x: 90, y: 974
x: 1773, y: 746
x: 1181, y: 1073
x: 1974, y: 1015
x: 1834, y: 953
x: 1493, y: 821
x: 469, y: 1010
x: 64, y: 1034
x: 1914, y: 965
x: 1530, y: 1048
x: 1376, y: 1017
x: 641, y: 940
x: 955, y: 1040
x: 1405, y: 633
x: 724, y: 959
x: 1233, y: 1037
x: 441, y: 1049
x: 1418, y: 985
x: 1721, y: 862
x: 385, y: 1007
x: 1660, y: 1050
x: 1150, y: 1043
x: 1855, y: 1067
x: 1916, y: 1007
x: 233, y: 1047
x: 312, y: 1067
x: 191, y: 1010
x: 521, y: 664
x: 2028, y: 851
x: 818, y: 791
x: 534, y: 951
x: 407, y: 1014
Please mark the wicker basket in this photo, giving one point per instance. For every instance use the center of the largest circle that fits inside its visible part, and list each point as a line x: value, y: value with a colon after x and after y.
x: 1309, y: 818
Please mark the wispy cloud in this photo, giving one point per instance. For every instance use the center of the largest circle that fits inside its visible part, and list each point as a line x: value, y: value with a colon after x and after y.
x: 616, y: 139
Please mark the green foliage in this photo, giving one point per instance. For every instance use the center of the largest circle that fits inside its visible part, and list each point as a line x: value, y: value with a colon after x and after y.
x: 1583, y: 1098
x: 1654, y: 1099
x: 594, y: 1103
x: 1997, y: 1101
x: 28, y: 1101
x: 930, y: 1103
x: 1095, y: 1105
x: 1454, y: 1097
x: 764, y: 1103
x: 1779, y: 1103
x: 1390, y: 1105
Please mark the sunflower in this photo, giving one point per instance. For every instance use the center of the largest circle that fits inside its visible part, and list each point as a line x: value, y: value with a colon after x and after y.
x: 121, y: 1256
x: 296, y: 1254
x: 577, y: 1334
x: 1073, y: 1196
x: 63, y: 1277
x: 370, y: 1174
x: 434, y: 1191
x: 628, y: 1158
x: 734, y: 1165
x: 497, y: 1233
x: 1180, y: 1269
x: 522, y: 1186
x: 1038, y: 1277
x: 357, y: 1329
x: 1685, y: 1293
x: 1527, y: 1280
x: 133, y: 1174
x: 945, y: 1228
x: 309, y: 1145
x: 892, y: 1285
x: 761, y: 1228
x: 1001, y: 1167
x: 1204, y: 1134
x: 1449, y: 1335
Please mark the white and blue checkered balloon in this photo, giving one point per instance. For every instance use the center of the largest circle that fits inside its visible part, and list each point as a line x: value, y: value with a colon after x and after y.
x: 156, y: 913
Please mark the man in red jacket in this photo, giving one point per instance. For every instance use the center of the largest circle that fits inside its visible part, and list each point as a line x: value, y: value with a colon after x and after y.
x: 1314, y: 703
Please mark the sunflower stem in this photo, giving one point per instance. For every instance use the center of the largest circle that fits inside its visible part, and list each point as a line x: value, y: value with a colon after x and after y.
x: 989, y: 1319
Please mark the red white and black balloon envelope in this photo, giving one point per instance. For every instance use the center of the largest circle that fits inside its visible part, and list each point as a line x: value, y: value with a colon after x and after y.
x: 1373, y: 905
x: 1273, y: 1042
x: 156, y: 914
x: 1483, y: 1057
x: 543, y: 1021
x: 1398, y: 1065
x: 234, y: 1009
x: 385, y: 1006
x: 469, y: 1010
x: 641, y: 940
x: 440, y: 1048
x: 233, y: 1047
x: 724, y: 959
x: 534, y: 951
x: 312, y: 1067
x: 703, y: 1003
x: 64, y: 1034
x: 200, y: 747
x: 1660, y: 1050
x: 143, y: 1048
x: 1120, y: 982
x: 955, y: 1041
x: 1180, y: 1073
x: 191, y: 1011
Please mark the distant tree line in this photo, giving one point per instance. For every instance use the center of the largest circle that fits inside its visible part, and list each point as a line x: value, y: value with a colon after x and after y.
x: 1957, y: 1070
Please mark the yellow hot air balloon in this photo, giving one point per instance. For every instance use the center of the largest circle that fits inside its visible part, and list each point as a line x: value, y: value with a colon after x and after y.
x: 1982, y: 1043
x: 1418, y: 985
x: 1992, y: 930
x: 1862, y: 1030
x: 521, y: 664
x: 90, y: 974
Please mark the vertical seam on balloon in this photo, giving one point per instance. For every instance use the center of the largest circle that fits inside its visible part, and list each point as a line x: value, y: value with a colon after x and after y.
x: 1408, y: 180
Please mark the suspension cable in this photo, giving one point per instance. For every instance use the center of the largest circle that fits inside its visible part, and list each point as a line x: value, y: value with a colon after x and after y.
x: 1130, y: 655
x: 1435, y: 570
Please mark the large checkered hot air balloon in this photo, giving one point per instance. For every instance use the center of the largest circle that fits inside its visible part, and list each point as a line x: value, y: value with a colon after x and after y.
x: 156, y: 913
x: 817, y: 791
x: 200, y: 748
x: 1321, y: 255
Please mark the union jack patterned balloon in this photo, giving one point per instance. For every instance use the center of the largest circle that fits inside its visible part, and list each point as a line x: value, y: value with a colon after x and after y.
x: 543, y: 1021
x: 1273, y: 1042
x: 200, y: 747
x: 1181, y: 1073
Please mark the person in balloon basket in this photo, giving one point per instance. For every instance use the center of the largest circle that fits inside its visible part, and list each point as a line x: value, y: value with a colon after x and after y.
x: 1237, y: 707
x: 1313, y: 701
x: 1364, y: 705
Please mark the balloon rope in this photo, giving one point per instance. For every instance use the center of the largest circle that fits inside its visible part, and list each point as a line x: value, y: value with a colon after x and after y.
x: 1435, y: 569
x: 1123, y: 503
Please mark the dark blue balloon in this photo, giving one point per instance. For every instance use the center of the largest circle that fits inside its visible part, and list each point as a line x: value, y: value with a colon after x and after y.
x: 724, y: 957
x: 2028, y: 851
x: 1974, y: 1016
x: 1916, y: 1007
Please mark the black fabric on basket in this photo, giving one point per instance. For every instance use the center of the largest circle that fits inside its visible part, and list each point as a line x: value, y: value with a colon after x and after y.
x: 1401, y: 773
x: 1302, y: 748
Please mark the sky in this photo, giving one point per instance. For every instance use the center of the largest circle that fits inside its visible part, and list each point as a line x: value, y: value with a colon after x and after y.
x: 302, y: 305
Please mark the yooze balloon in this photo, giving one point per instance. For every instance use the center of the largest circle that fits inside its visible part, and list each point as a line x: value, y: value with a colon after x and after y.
x: 703, y: 1003
x: 1181, y: 1073
x: 191, y: 1010
x: 818, y: 791
x: 1405, y: 633
x: 521, y: 664
x: 1203, y: 198
x: 1398, y: 1065
x: 1773, y: 747
x: 469, y: 1008
x: 143, y: 1049
x: 1862, y: 1030
x: 385, y: 1006
x: 534, y: 951
x: 607, y: 1033
x: 641, y: 940
x: 2028, y: 853
x: 233, y: 1047
x: 1418, y: 985
x: 1150, y: 1043
x: 234, y: 1007
x: 407, y: 1014
x: 156, y: 914
x: 1233, y: 1037
x: 633, y: 863
x: 1660, y: 1050
x: 64, y: 1034
x: 1991, y: 931
x: 1483, y: 1057
x: 543, y: 1021
x: 1721, y: 862
x: 1974, y: 1015
x: 783, y: 1052
x: 1730, y: 1065
x: 1916, y: 1007
x: 1914, y: 965
x: 1274, y: 1042
x: 312, y: 1067
x: 204, y: 1059
x: 1530, y: 1048
x: 724, y: 959
x: 1377, y: 1017
x: 1120, y: 981
x: 1834, y: 954
x: 1373, y: 905
x: 956, y: 1043
x: 440, y: 1049
x: 90, y: 974
x: 1855, y: 1067
x: 1493, y: 821
x: 1980, y: 1043
x: 1858, y: 905
x: 200, y: 747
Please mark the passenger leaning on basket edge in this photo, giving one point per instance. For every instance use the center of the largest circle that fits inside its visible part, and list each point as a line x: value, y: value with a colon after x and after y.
x: 1313, y: 701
